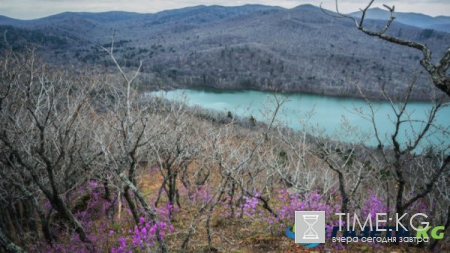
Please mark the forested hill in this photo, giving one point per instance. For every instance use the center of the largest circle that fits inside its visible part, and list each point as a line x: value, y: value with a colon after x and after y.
x: 439, y: 23
x: 250, y: 47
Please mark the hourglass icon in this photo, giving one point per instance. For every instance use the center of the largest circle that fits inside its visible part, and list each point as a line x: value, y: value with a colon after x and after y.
x: 310, y: 220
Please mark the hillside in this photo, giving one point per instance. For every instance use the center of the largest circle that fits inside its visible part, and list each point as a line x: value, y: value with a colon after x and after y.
x: 250, y: 47
x: 89, y: 162
x: 183, y: 179
x: 440, y: 23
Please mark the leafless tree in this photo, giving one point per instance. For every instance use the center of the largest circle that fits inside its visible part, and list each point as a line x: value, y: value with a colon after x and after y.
x: 295, y: 160
x: 341, y: 159
x: 126, y: 131
x: 173, y: 150
x: 418, y: 171
x: 438, y: 71
x: 417, y: 175
x: 46, y: 152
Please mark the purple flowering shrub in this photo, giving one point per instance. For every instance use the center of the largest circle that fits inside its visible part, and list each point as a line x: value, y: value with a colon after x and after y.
x: 201, y: 194
x: 108, y: 234
x: 250, y: 205
x: 111, y: 234
x: 285, y: 204
x: 373, y: 205
x: 142, y: 238
x: 90, y: 210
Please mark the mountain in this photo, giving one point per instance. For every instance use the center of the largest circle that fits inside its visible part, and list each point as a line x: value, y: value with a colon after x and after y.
x: 441, y: 27
x: 206, y: 14
x: 195, y: 14
x: 440, y: 23
x: 249, y: 47
x: 4, y: 20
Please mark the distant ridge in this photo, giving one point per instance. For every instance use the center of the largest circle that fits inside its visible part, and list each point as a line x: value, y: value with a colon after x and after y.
x: 122, y: 15
x: 440, y: 23
x: 4, y: 20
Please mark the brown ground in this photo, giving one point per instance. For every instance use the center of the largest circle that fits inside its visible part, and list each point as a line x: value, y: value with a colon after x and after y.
x: 240, y: 235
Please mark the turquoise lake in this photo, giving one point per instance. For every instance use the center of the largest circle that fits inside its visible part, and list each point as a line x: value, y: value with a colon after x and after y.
x: 328, y: 116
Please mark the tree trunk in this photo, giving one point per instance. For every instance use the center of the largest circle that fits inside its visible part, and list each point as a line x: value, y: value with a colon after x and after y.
x: 147, y: 208
x: 131, y: 204
x: 8, y: 245
x: 62, y: 209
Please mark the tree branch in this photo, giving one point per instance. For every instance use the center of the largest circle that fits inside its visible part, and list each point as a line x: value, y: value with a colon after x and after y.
x: 438, y: 72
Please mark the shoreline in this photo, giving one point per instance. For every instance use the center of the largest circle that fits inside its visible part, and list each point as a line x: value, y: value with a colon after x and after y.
x: 234, y: 89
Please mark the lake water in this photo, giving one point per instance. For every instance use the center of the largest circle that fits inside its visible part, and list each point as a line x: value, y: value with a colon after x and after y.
x: 327, y: 116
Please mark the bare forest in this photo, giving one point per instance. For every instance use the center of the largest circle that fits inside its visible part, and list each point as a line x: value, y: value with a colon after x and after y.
x: 89, y: 163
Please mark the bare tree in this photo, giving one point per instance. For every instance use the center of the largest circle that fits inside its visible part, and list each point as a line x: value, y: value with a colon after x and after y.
x: 127, y: 130
x: 341, y: 159
x: 417, y: 175
x: 438, y: 71
x: 47, y: 152
x: 418, y: 171
x: 173, y: 150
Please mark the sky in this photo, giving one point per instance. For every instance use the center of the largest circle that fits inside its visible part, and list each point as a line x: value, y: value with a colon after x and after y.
x: 32, y: 9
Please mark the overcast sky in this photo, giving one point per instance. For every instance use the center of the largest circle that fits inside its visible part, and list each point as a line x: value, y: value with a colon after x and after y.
x: 31, y: 9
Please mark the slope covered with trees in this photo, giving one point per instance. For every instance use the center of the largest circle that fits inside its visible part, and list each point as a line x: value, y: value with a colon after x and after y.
x: 248, y: 47
x: 88, y: 163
